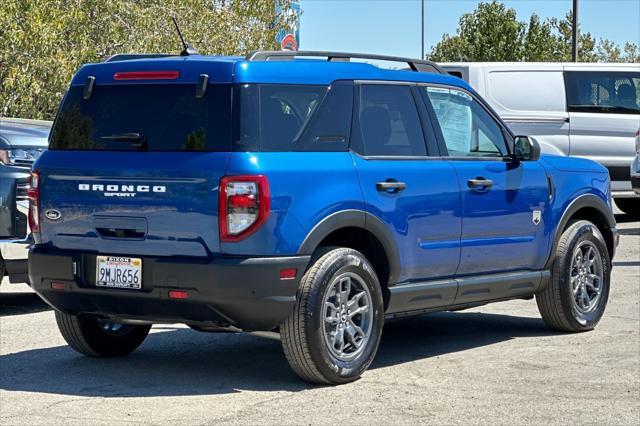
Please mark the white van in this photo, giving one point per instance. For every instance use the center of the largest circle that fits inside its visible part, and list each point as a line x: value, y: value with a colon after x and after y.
x: 577, y: 109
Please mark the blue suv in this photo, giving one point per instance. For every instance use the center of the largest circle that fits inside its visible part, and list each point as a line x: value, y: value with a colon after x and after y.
x: 305, y: 193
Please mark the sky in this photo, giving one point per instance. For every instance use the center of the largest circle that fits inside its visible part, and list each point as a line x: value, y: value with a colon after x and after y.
x: 392, y: 27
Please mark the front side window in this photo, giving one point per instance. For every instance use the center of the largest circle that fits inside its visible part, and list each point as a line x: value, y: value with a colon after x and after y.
x: 603, y: 92
x: 388, y: 122
x: 467, y: 128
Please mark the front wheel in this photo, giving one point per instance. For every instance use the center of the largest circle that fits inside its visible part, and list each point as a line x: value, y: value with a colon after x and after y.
x: 333, y: 332
x: 577, y: 295
x: 100, y: 338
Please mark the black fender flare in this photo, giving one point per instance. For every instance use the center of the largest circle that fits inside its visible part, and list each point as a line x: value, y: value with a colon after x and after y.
x: 583, y: 201
x: 355, y: 219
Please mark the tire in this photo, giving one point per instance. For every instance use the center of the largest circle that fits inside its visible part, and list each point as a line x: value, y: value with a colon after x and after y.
x: 560, y: 308
x: 95, y: 338
x: 310, y: 342
x: 630, y: 206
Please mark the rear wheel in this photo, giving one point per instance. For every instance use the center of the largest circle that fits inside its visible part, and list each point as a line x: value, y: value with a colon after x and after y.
x: 630, y: 206
x: 332, y: 335
x: 100, y: 338
x: 577, y: 295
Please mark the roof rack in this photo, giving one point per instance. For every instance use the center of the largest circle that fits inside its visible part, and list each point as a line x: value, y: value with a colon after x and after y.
x: 131, y: 56
x: 287, y: 55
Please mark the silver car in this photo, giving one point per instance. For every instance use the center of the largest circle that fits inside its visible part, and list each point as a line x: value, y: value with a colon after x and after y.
x: 582, y: 110
x: 21, y: 143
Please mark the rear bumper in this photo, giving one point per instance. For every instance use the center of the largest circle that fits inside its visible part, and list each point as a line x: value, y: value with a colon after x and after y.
x: 246, y: 293
x: 635, y: 174
x: 635, y: 184
x: 15, y: 250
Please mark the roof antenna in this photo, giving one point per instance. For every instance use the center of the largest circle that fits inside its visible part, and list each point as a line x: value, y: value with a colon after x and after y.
x: 188, y: 49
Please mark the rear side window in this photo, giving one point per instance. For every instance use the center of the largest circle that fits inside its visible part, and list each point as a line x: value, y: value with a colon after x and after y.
x: 388, y: 123
x: 279, y: 117
x: 154, y: 117
x: 603, y: 92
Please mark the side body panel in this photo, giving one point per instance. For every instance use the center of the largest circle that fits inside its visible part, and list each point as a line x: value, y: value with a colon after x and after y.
x: 305, y: 187
x: 499, y: 232
x: 425, y: 218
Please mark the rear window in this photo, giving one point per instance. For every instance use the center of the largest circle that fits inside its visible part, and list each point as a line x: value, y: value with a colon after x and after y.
x: 154, y: 117
x: 603, y: 92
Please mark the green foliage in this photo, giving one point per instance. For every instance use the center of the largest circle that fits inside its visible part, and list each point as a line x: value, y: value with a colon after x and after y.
x: 493, y: 33
x: 43, y: 42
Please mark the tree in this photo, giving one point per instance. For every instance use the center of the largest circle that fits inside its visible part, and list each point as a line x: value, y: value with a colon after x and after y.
x: 608, y: 51
x: 43, y: 42
x: 631, y: 52
x: 564, y: 30
x: 492, y: 33
x: 539, y: 43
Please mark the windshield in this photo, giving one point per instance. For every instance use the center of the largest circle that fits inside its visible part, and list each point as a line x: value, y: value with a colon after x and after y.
x: 153, y: 117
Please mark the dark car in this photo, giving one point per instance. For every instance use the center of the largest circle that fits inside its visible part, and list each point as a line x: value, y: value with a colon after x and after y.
x: 21, y: 143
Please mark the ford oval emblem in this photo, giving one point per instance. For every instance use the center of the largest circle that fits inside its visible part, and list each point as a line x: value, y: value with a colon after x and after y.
x: 52, y: 214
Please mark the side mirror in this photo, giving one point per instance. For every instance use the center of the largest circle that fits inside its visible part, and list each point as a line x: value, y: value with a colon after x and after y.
x: 525, y: 149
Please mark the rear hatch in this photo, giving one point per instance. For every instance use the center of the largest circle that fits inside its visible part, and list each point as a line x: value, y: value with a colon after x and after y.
x: 134, y: 163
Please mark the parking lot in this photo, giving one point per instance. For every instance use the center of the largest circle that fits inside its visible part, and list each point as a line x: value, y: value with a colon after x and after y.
x: 494, y: 364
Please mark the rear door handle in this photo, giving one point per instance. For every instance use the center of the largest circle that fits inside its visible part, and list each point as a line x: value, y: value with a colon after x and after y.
x: 480, y: 184
x: 391, y: 186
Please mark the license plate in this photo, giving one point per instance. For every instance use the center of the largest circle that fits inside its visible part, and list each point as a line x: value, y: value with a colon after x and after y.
x: 119, y: 272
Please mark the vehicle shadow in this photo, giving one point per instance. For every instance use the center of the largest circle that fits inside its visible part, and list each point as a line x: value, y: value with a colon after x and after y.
x: 624, y: 218
x: 177, y: 361
x: 629, y: 231
x: 624, y: 263
x: 21, y: 303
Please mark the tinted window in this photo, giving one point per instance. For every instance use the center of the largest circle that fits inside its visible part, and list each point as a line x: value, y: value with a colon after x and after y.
x: 328, y: 130
x: 154, y: 117
x: 467, y: 128
x: 604, y: 92
x: 388, y: 122
x: 273, y: 117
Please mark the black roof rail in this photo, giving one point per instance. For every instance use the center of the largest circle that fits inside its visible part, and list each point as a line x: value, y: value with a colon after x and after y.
x: 131, y: 56
x: 287, y: 55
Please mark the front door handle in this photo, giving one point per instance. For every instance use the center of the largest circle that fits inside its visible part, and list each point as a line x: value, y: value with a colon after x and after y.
x: 480, y: 184
x: 391, y: 186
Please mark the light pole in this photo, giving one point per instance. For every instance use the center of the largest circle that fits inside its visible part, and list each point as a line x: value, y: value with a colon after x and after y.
x: 574, y: 32
x: 422, y: 29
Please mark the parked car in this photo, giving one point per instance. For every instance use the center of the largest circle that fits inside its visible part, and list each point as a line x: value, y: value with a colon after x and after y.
x: 581, y: 110
x: 21, y: 143
x: 307, y: 196
x: 635, y: 169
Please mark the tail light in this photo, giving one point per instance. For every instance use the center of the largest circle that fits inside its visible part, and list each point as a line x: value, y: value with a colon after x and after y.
x: 638, y: 142
x: 244, y: 206
x: 33, y: 193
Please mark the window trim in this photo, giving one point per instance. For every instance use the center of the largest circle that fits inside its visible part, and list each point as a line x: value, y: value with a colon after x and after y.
x: 355, y: 120
x: 444, y: 152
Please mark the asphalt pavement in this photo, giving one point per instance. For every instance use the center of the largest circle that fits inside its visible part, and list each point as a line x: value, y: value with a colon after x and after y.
x: 496, y: 364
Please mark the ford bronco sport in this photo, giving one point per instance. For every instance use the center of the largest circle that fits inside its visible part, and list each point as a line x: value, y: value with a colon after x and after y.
x: 304, y: 193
